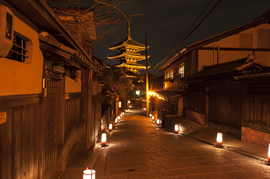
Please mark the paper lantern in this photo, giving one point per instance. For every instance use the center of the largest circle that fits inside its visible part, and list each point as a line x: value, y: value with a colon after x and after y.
x: 89, y: 174
x: 103, y: 139
x: 176, y: 128
x: 158, y: 122
x: 110, y: 127
x: 219, y: 139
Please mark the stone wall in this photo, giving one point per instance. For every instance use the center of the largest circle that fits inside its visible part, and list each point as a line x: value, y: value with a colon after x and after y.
x: 255, y: 137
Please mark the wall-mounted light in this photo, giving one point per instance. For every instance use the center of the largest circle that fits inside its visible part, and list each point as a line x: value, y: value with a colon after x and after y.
x: 219, y: 139
x: 103, y: 139
x: 110, y: 127
x: 89, y: 174
x: 176, y: 128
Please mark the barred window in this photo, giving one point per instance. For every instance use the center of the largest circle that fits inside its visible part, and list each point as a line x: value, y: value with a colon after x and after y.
x: 19, y: 50
x: 181, y: 70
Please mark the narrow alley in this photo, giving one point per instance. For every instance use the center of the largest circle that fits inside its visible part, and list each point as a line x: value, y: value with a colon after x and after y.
x: 137, y: 149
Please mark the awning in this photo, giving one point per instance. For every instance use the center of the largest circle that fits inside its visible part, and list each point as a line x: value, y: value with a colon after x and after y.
x: 171, y: 93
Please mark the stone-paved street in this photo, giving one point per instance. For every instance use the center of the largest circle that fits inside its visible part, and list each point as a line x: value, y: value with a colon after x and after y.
x: 136, y: 149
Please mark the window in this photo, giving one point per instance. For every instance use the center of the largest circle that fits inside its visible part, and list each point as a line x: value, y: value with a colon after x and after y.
x: 19, y: 50
x: 181, y: 70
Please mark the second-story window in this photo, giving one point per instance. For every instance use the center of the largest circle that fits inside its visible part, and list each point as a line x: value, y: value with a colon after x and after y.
x: 181, y: 70
x: 171, y: 73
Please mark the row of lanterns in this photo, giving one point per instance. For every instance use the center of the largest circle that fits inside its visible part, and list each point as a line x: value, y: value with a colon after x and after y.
x: 158, y: 122
x: 90, y: 173
x: 218, y: 140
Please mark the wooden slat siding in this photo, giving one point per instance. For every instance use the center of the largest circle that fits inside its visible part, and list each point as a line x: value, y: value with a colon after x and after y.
x: 255, y: 108
x: 259, y: 112
x: 251, y: 122
x: 268, y: 113
x: 247, y: 111
x: 36, y: 141
x: 16, y: 144
x: 6, y: 147
x: 264, y: 113
x: 72, y: 118
x: 23, y: 136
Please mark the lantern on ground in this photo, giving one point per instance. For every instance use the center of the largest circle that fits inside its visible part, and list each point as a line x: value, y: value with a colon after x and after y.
x: 219, y: 139
x: 118, y: 118
x: 153, y: 117
x: 269, y: 153
x: 176, y: 128
x: 115, y: 121
x: 110, y: 127
x: 150, y: 115
x: 89, y: 174
x: 158, y: 122
x: 103, y: 139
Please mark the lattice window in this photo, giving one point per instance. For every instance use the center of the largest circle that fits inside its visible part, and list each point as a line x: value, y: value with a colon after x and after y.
x: 49, y: 126
x: 18, y: 51
x: 181, y: 70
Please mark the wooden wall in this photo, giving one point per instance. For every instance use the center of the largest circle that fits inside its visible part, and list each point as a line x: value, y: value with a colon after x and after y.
x: 225, y: 107
x: 19, y: 139
x: 197, y: 97
x: 72, y: 120
x: 256, y: 104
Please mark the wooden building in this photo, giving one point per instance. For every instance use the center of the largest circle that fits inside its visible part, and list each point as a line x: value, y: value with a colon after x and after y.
x: 49, y: 95
x: 250, y: 40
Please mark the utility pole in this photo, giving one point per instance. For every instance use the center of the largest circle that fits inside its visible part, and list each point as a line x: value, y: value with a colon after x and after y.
x: 146, y: 77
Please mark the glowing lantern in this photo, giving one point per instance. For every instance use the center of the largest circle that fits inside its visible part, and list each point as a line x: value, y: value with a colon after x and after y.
x: 110, y: 127
x: 115, y: 121
x: 176, y: 128
x: 153, y: 117
x: 219, y: 139
x: 103, y: 139
x: 158, y: 122
x: 150, y: 115
x: 89, y: 174
x: 118, y: 118
x: 268, y: 153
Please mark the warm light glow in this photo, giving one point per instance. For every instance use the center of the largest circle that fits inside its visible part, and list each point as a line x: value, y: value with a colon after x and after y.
x: 103, y: 139
x: 150, y: 93
x: 158, y: 122
x: 128, y: 109
x: 115, y: 121
x: 110, y: 127
x: 153, y: 117
x: 219, y: 139
x: 120, y: 104
x: 89, y: 174
x: 269, y: 153
x: 159, y: 97
x: 128, y: 101
x: 176, y: 128
x: 150, y: 115
x: 144, y: 109
x: 118, y: 117
x: 138, y: 92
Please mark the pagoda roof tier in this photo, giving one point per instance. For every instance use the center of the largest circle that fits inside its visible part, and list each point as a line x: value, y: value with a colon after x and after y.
x: 132, y: 65
x: 129, y: 55
x: 129, y: 44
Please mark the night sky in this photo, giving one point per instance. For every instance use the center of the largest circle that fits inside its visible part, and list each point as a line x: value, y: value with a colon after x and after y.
x: 166, y: 22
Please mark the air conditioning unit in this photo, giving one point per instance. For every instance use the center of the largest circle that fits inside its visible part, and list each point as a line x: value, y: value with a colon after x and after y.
x: 6, y: 30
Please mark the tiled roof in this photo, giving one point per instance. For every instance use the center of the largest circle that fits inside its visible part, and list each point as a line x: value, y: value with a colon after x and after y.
x: 220, y: 68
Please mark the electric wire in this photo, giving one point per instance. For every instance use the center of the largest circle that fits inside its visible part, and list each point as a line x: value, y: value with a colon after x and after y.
x: 181, y: 41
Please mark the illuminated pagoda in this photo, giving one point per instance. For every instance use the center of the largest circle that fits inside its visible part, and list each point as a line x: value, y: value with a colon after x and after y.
x: 129, y: 56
